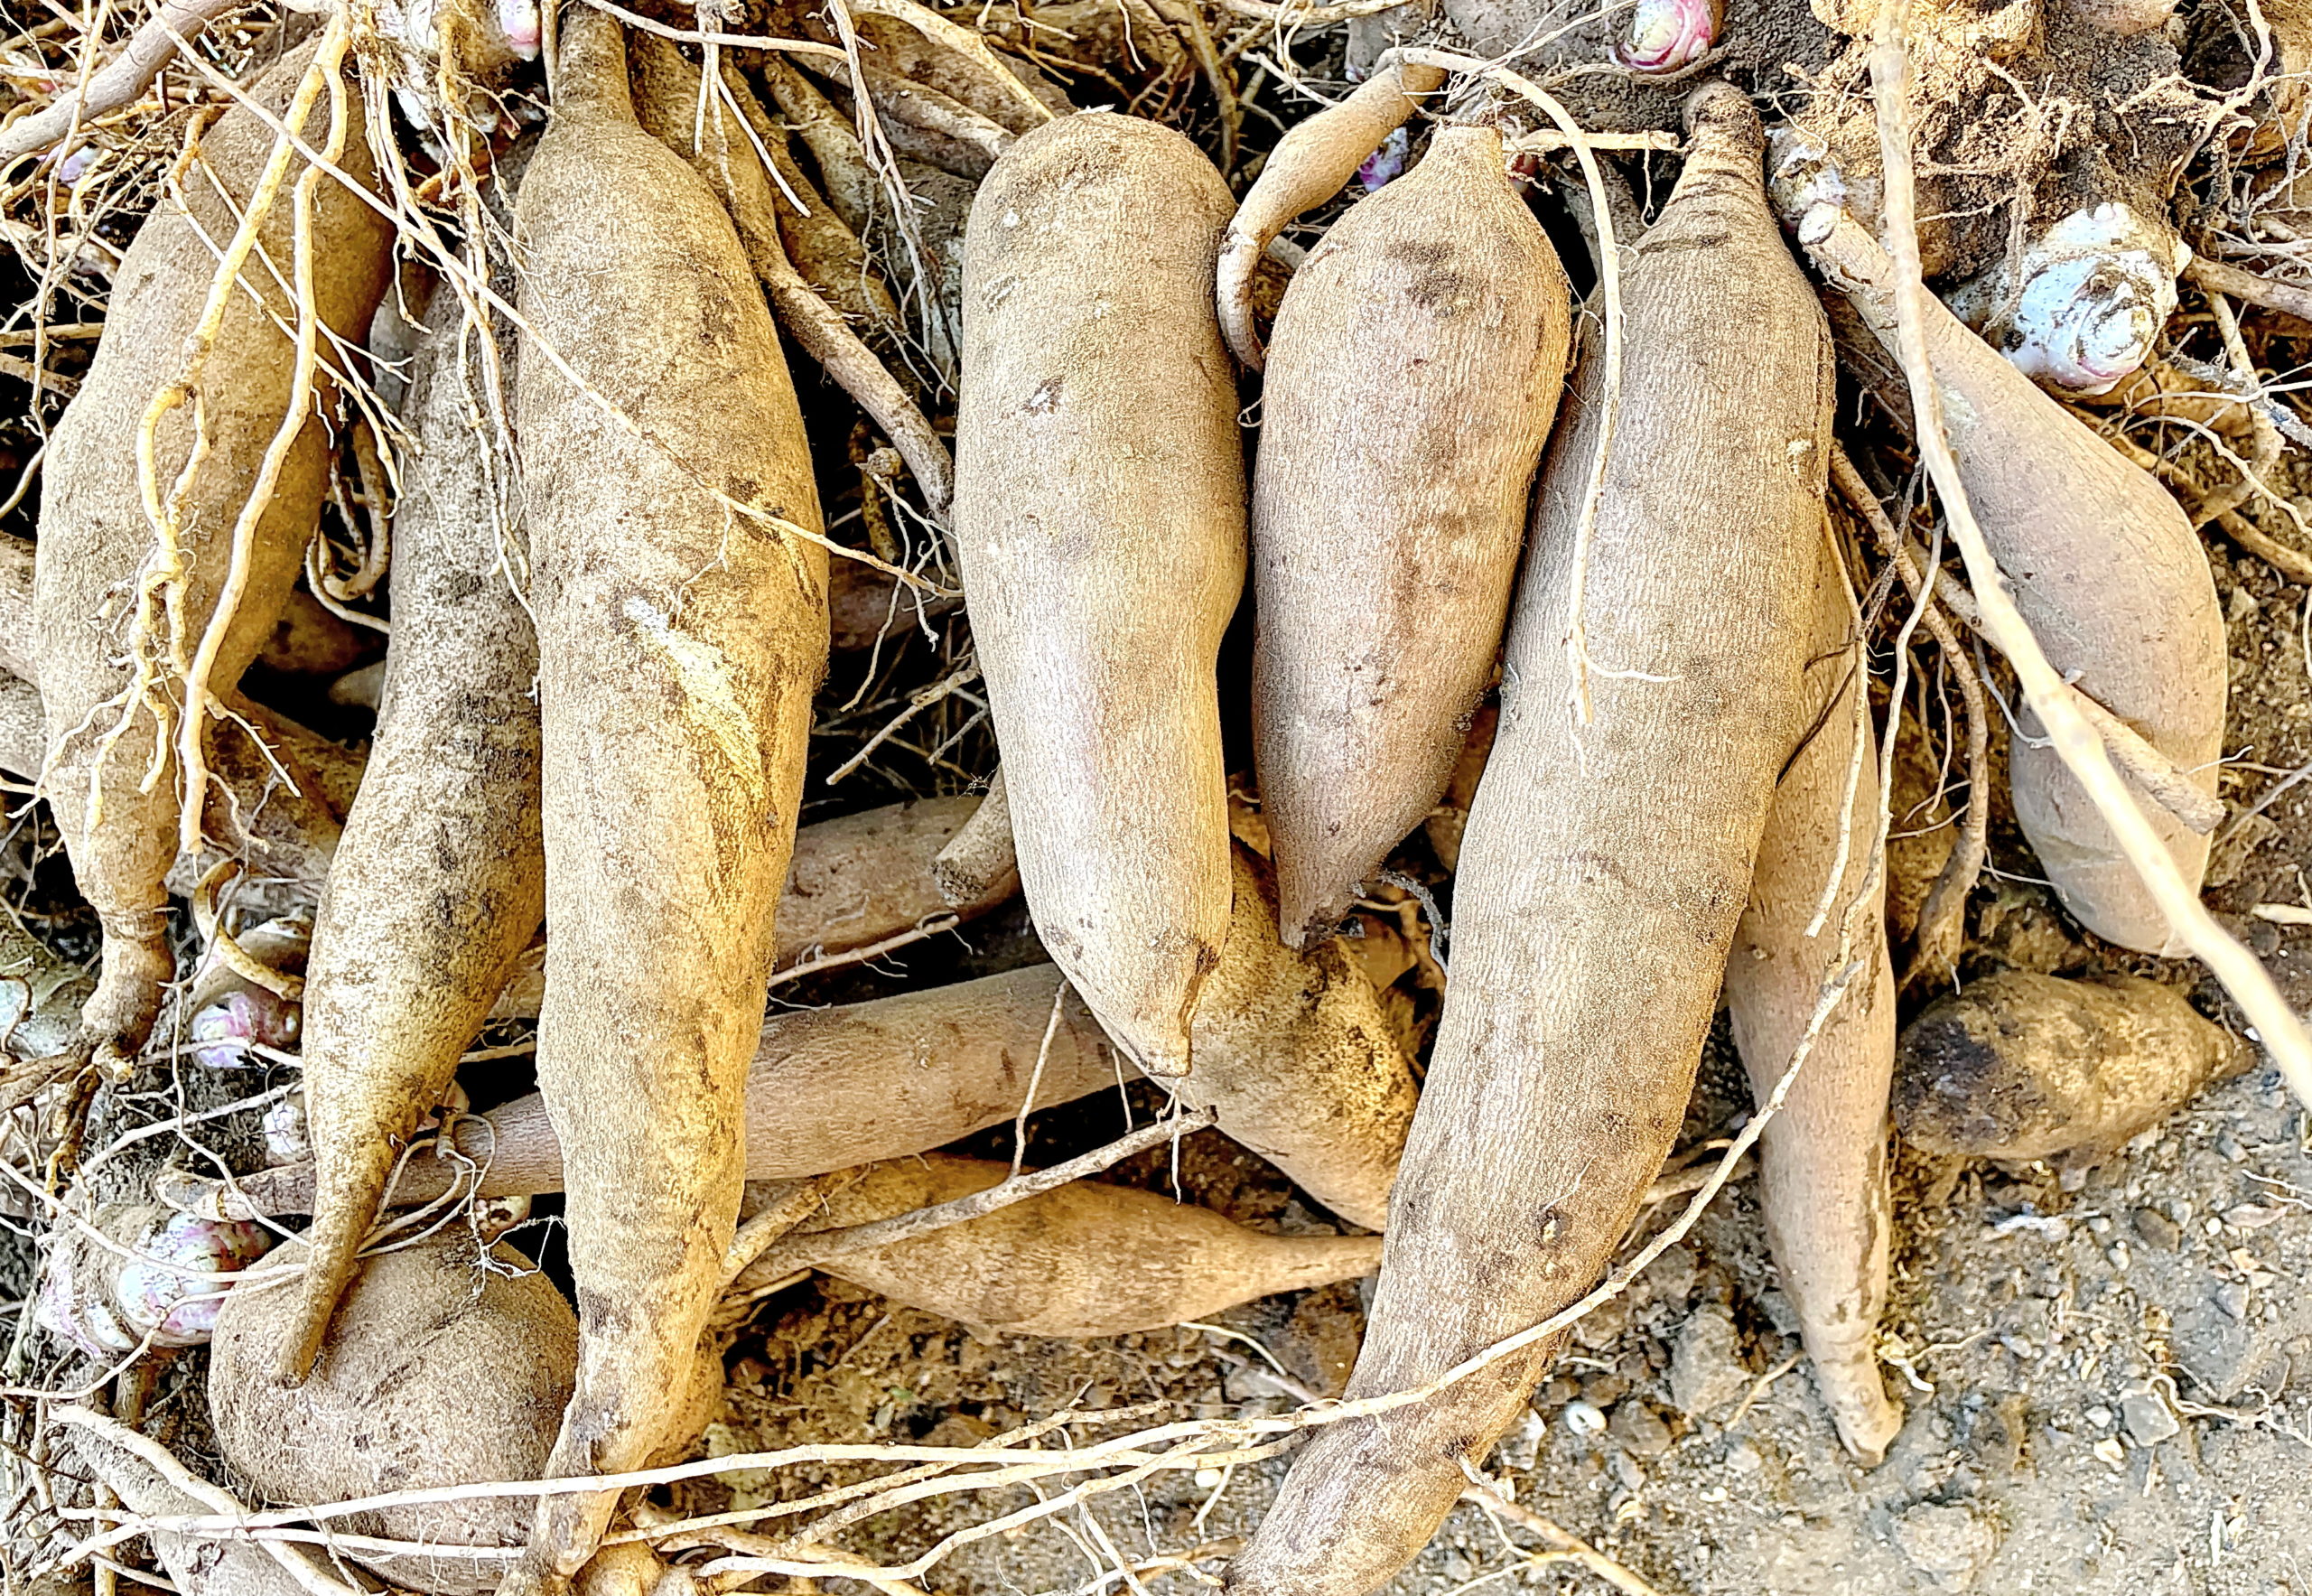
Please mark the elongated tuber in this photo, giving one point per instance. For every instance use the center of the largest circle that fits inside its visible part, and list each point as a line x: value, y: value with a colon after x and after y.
x: 1310, y: 165
x: 681, y: 605
x: 1412, y: 380
x: 1099, y: 515
x: 239, y: 524
x: 1087, y: 1259
x: 1823, y: 1161
x: 2020, y: 1065
x: 2106, y: 571
x: 440, y: 880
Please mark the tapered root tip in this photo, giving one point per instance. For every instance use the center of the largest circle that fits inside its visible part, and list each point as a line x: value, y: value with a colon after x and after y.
x: 1304, y: 913
x: 1868, y: 1435
x: 302, y: 1349
x: 1240, y: 257
x: 332, y: 1253
x: 1868, y: 1420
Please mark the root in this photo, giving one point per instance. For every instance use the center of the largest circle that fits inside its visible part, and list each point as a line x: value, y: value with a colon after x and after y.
x: 967, y: 42
x: 810, y: 1250
x: 199, y: 701
x: 2216, y: 278
x: 1942, y: 923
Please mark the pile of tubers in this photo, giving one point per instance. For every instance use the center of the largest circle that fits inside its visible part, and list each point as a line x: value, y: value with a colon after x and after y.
x: 1562, y: 611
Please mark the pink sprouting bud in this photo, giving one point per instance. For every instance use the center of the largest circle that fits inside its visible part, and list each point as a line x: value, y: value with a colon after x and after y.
x: 518, y: 21
x: 224, y: 1032
x: 107, y: 1302
x: 1668, y: 36
x: 1386, y: 164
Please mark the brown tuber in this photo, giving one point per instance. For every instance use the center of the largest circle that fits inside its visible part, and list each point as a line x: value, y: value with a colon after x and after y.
x: 1412, y: 376
x: 1296, y: 1060
x: 440, y: 880
x: 1087, y: 1259
x: 1100, y: 521
x: 240, y: 522
x: 1606, y: 861
x: 2107, y: 572
x: 1308, y: 167
x: 1823, y: 1166
x: 2019, y: 1066
x: 439, y: 1368
x: 680, y: 592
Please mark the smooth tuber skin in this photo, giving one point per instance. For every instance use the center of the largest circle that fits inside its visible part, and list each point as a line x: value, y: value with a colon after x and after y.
x: 440, y: 879
x: 1604, y: 865
x: 1087, y: 1259
x: 1822, y: 1160
x: 1413, y: 377
x: 118, y: 822
x: 1100, y: 519
x: 1310, y: 165
x: 682, y: 632
x: 2107, y: 572
x: 1451, y: 818
x: 2020, y: 1065
x: 828, y: 1088
x: 440, y: 1369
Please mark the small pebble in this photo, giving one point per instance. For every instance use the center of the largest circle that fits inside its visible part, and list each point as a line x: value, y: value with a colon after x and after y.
x: 2157, y: 1229
x: 2232, y: 1296
x: 2109, y: 1450
x: 1706, y: 1371
x: 2148, y: 1420
x: 1583, y: 1418
x: 1639, y: 1429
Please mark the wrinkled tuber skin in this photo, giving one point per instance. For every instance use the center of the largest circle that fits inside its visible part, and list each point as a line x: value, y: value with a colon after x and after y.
x: 1604, y: 865
x: 109, y: 1304
x: 2020, y: 1065
x: 680, y: 592
x: 440, y: 880
x: 119, y: 824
